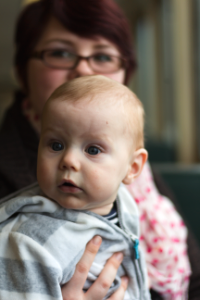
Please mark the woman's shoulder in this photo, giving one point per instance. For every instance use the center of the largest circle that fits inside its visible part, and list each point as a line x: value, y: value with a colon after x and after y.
x: 18, y: 151
x: 13, y: 115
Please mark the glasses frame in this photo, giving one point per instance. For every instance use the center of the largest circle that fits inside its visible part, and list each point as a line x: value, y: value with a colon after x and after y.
x: 41, y: 54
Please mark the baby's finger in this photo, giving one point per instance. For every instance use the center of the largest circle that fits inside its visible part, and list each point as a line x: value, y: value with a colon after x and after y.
x: 100, y: 288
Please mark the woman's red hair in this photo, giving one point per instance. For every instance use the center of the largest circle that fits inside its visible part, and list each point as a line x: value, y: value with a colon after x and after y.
x: 88, y: 19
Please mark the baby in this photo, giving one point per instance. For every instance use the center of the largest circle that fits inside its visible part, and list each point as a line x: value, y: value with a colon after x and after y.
x: 91, y: 144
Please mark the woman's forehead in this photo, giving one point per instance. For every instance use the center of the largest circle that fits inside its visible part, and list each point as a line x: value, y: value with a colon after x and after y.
x: 56, y: 34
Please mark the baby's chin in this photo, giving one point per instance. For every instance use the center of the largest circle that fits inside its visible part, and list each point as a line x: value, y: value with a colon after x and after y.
x: 72, y: 202
x: 100, y: 210
x: 103, y: 210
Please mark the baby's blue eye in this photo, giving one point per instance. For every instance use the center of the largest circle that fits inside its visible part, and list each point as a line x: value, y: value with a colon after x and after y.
x: 56, y: 146
x: 92, y: 150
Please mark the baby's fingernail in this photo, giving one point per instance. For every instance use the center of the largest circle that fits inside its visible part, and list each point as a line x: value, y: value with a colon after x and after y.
x: 96, y: 240
x: 119, y: 256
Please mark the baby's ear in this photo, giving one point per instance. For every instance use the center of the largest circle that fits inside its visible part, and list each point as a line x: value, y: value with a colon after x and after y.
x: 136, y: 165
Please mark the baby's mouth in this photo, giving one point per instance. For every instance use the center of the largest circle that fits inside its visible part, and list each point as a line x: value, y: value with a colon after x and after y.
x: 69, y: 186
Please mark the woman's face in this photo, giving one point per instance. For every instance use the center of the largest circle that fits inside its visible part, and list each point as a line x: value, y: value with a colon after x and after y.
x: 43, y: 80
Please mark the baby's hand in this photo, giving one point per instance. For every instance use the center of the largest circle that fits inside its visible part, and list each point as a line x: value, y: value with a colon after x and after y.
x: 73, y: 290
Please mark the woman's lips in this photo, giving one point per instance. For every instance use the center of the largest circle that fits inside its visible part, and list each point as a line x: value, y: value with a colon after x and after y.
x: 68, y: 186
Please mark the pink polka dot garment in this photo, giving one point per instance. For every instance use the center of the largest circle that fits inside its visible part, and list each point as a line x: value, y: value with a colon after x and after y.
x: 163, y: 239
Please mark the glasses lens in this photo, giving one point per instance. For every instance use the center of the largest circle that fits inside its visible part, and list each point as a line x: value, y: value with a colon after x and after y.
x: 60, y: 58
x: 105, y: 63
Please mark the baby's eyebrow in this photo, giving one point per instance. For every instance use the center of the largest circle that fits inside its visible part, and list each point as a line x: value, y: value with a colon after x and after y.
x: 47, y: 131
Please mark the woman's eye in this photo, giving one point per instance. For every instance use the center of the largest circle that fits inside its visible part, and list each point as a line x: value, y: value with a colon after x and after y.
x: 102, y: 58
x: 61, y: 54
x: 92, y: 150
x: 57, y: 146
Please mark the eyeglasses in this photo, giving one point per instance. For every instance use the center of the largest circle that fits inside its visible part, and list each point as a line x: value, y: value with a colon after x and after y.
x: 64, y: 59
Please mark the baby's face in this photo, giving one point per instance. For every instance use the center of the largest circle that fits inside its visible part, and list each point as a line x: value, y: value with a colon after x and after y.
x: 84, y: 154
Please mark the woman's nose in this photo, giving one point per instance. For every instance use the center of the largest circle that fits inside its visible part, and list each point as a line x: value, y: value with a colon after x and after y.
x: 82, y: 69
x: 70, y: 161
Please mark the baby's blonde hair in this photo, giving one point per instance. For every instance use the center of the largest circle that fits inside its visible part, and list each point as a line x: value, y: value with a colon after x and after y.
x: 87, y: 89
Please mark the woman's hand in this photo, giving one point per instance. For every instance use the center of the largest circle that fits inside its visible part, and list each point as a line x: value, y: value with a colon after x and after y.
x: 73, y: 290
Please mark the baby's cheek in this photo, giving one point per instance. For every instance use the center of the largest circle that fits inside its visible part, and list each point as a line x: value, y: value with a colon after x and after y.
x: 102, y: 181
x: 96, y: 179
x: 43, y: 173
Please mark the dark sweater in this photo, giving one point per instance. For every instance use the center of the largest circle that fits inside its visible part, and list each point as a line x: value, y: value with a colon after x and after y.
x: 18, y: 151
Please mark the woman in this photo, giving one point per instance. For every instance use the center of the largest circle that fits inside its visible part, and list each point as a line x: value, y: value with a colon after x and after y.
x: 57, y: 41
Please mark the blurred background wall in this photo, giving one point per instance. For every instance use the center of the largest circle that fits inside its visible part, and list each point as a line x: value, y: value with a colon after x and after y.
x: 8, y: 12
x: 166, y: 34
